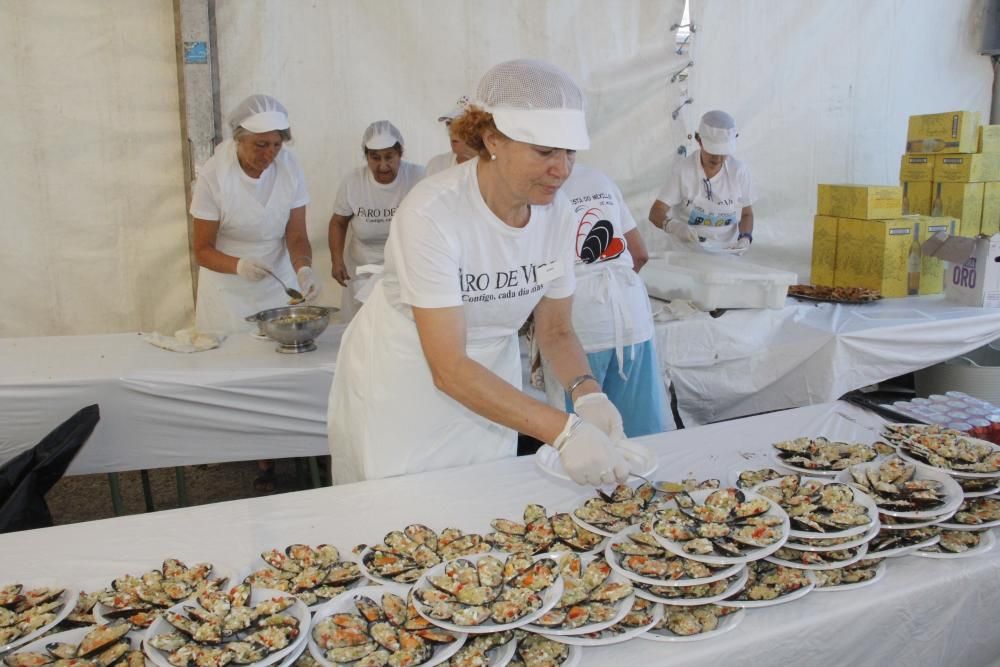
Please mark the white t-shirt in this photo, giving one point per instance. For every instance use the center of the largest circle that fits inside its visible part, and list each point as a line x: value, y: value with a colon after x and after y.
x: 714, y: 202
x: 448, y: 249
x: 206, y: 198
x: 440, y: 163
x: 601, y: 220
x: 372, y: 205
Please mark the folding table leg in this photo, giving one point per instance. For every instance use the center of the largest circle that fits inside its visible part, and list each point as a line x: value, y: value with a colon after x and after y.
x: 116, y: 494
x: 147, y: 490
x: 182, y: 488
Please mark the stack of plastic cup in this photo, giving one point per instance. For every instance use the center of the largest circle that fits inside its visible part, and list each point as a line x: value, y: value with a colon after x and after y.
x: 956, y: 410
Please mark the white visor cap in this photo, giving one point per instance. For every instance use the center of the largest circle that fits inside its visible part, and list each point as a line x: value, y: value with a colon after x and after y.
x: 259, y: 113
x: 535, y: 102
x: 381, y: 134
x: 717, y: 130
x: 461, y: 106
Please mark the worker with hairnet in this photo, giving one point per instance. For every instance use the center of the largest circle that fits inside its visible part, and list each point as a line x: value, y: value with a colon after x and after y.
x: 363, y: 210
x: 707, y: 201
x: 460, y: 151
x: 249, y: 209
x: 429, y: 372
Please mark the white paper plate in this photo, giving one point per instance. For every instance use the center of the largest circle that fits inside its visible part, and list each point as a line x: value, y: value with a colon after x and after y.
x: 641, y: 460
x: 726, y: 623
x: 860, y: 555
x: 374, y: 577
x: 978, y: 494
x: 903, y: 454
x: 623, y: 606
x: 734, y: 475
x: 732, y: 589
x: 917, y: 524
x: 969, y: 527
x: 74, y: 636
x: 781, y: 599
x: 953, y: 493
x: 550, y: 598
x: 750, y: 554
x: 257, y: 595
x: 903, y: 551
x: 986, y: 543
x: 68, y: 597
x: 313, y: 607
x: 860, y: 498
x: 879, y: 573
x: 829, y: 474
x: 580, y: 640
x: 612, y: 557
x: 344, y: 603
x: 634, y: 484
x: 857, y: 541
x: 572, y: 658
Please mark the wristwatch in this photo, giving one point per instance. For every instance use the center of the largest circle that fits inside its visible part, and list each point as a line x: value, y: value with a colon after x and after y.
x: 745, y: 235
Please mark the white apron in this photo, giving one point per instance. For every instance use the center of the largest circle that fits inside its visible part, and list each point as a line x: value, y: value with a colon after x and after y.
x: 387, y: 418
x: 246, y: 229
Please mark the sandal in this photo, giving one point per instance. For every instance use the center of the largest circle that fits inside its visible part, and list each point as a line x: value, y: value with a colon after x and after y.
x: 265, y: 481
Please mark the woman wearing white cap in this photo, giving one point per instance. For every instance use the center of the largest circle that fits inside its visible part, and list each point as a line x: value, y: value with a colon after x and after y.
x: 249, y: 208
x: 460, y: 151
x: 709, y: 196
x: 429, y: 373
x: 365, y: 203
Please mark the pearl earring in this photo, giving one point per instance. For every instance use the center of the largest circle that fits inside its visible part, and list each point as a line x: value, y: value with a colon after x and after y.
x: 493, y: 156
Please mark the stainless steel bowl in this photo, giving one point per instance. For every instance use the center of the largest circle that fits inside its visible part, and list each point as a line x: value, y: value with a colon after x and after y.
x: 294, y: 327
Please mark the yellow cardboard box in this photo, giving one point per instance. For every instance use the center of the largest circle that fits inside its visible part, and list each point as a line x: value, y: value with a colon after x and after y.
x: 878, y: 254
x: 917, y: 197
x: 824, y: 251
x: 971, y: 168
x: 861, y: 202
x: 916, y: 168
x: 960, y: 200
x: 931, y: 268
x: 989, y: 138
x: 951, y: 132
x: 990, y: 221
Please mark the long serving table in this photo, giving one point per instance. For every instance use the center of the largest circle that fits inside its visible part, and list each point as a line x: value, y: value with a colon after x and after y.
x: 752, y: 361
x: 922, y: 612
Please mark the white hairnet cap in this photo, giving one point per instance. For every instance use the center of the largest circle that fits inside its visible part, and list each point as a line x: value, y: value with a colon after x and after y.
x: 535, y: 102
x: 259, y: 113
x: 717, y: 130
x: 381, y: 134
x: 461, y: 106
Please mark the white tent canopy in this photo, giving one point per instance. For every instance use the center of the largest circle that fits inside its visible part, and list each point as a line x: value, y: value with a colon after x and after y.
x: 95, y: 227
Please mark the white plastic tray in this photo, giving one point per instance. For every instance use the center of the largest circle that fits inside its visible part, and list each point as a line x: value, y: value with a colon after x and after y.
x: 713, y: 281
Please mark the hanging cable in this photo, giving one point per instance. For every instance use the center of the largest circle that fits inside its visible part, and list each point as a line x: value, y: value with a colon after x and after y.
x: 676, y: 112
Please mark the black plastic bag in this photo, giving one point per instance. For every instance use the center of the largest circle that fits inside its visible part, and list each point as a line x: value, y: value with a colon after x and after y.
x: 25, y: 479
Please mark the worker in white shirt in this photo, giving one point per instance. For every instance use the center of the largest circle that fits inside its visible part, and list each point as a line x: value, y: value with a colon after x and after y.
x: 363, y: 211
x: 429, y: 372
x: 460, y: 151
x: 611, y: 313
x: 708, y: 198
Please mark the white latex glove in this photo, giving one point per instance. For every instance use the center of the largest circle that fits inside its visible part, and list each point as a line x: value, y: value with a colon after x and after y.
x: 588, y: 455
x: 741, y: 244
x: 307, y: 283
x: 682, y: 231
x: 252, y: 269
x: 598, y: 410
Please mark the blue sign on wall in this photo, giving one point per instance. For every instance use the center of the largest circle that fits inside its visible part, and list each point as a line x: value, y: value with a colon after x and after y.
x: 195, y: 53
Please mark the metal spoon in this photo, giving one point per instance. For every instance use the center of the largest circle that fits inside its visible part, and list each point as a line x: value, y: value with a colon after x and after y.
x: 295, y: 295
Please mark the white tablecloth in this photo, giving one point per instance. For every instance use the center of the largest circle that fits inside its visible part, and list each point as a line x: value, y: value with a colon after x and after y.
x: 239, y: 402
x: 923, y: 612
x: 751, y: 361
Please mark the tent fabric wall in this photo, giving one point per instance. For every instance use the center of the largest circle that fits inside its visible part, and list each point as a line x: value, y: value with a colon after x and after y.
x: 340, y: 65
x: 94, y: 231
x: 821, y: 92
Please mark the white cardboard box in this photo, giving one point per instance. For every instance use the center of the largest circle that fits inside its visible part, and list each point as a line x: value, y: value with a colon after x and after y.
x: 972, y: 275
x: 715, y: 281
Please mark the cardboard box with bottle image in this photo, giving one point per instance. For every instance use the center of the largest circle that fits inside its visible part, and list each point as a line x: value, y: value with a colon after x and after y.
x: 950, y: 132
x: 918, y: 197
x: 878, y: 254
x: 860, y: 202
x: 960, y: 200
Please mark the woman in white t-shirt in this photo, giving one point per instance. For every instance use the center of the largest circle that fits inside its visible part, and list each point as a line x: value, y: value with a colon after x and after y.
x: 249, y: 209
x: 429, y: 373
x: 709, y: 196
x: 363, y: 210
x: 460, y: 151
x: 611, y: 314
